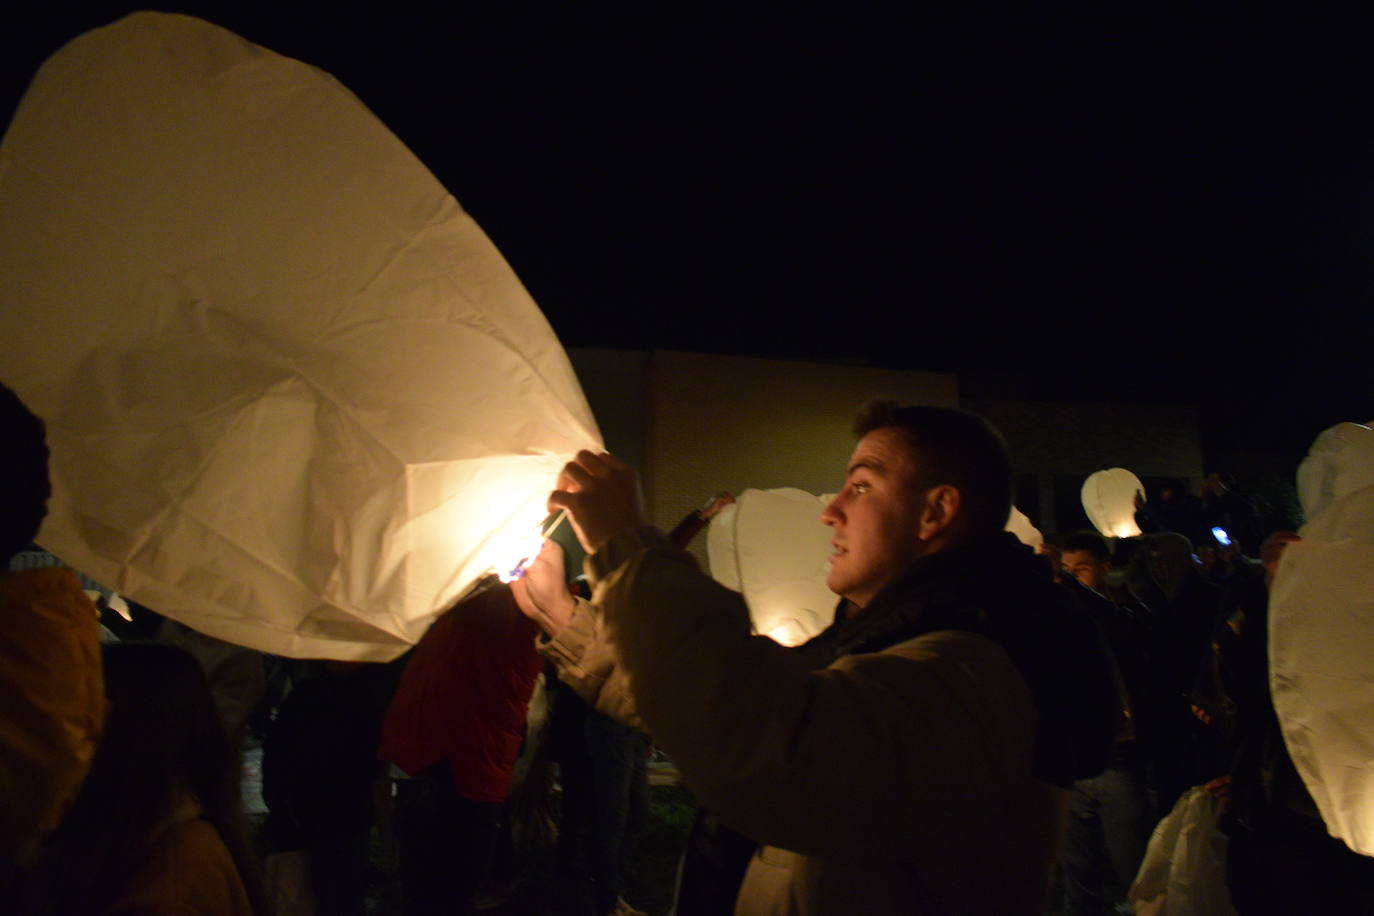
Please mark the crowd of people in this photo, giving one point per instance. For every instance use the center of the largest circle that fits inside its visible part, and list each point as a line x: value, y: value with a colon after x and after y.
x: 982, y: 729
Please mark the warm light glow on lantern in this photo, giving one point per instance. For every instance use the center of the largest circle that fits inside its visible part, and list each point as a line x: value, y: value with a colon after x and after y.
x: 516, y: 552
x: 789, y: 633
x: 503, y: 502
x: 510, y: 568
x: 510, y: 548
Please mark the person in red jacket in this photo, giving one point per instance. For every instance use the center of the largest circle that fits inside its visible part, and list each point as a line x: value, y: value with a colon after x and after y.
x: 454, y: 729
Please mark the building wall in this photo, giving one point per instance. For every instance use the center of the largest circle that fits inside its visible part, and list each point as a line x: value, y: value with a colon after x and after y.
x: 726, y: 423
x: 697, y: 424
x: 616, y: 384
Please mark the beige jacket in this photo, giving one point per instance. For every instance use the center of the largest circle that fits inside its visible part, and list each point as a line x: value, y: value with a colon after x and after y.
x: 892, y: 782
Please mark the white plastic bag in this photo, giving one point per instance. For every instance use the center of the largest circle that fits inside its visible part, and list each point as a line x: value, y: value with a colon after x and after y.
x: 1184, y: 871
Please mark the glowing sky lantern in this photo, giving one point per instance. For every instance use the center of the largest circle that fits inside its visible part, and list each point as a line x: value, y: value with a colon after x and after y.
x: 295, y: 397
x: 1321, y: 628
x: 1109, y: 501
x: 773, y: 548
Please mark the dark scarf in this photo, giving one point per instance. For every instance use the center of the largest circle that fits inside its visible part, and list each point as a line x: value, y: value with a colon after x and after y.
x: 998, y: 588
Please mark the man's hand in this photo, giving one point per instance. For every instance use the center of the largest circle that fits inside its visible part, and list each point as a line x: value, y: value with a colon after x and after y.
x: 542, y: 593
x: 601, y: 494
x: 722, y: 500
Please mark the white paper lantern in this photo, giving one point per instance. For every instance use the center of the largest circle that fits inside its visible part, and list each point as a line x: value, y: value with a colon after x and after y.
x: 296, y: 399
x: 1321, y: 628
x: 1109, y: 500
x: 772, y: 547
x: 1019, y: 525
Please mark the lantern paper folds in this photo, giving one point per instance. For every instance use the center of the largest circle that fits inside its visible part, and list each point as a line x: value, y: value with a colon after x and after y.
x: 1321, y: 627
x: 1109, y: 501
x: 296, y: 399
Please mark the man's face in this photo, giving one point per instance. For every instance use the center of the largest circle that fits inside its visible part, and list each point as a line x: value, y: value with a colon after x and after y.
x: 1086, y: 568
x: 876, y: 517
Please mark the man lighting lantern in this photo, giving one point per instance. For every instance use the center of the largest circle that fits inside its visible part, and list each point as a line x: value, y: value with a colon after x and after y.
x: 915, y: 756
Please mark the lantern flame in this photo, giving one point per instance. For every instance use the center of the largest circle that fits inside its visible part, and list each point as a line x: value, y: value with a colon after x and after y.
x: 529, y: 549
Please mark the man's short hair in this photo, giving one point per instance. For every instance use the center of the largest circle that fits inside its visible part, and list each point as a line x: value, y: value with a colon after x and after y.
x: 953, y: 447
x: 24, y: 484
x: 1090, y: 541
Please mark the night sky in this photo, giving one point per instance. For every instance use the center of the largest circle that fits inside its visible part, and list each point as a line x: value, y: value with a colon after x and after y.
x: 1119, y: 203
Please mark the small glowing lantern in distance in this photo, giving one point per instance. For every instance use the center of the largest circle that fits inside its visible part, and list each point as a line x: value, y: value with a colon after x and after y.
x: 1109, y: 501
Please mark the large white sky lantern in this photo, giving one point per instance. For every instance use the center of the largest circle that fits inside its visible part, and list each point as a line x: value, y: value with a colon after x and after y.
x: 1109, y: 501
x: 1321, y: 628
x: 295, y: 397
x: 772, y: 547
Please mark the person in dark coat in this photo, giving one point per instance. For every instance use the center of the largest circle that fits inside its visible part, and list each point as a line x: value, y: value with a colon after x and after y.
x: 319, y: 769
x: 1110, y: 815
x: 1186, y: 607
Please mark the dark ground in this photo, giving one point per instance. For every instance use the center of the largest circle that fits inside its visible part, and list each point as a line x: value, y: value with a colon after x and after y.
x: 649, y: 878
